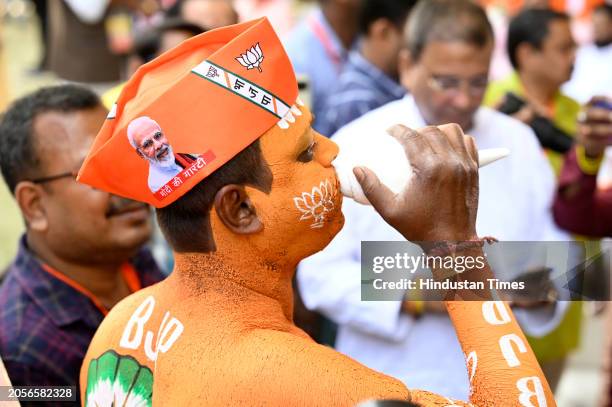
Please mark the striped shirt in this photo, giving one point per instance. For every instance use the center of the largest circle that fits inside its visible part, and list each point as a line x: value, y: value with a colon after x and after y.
x: 362, y: 87
x: 46, y: 325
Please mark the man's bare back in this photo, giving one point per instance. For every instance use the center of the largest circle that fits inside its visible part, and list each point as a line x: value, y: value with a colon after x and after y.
x: 225, y: 356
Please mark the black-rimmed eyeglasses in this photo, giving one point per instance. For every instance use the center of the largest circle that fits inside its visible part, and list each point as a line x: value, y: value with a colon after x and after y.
x: 43, y: 180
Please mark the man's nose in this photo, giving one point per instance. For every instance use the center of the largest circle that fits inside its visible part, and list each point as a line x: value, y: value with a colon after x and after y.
x: 463, y: 99
x: 157, y: 144
x: 326, y: 150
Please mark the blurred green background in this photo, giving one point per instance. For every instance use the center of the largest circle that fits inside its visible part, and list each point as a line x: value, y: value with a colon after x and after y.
x: 19, y: 55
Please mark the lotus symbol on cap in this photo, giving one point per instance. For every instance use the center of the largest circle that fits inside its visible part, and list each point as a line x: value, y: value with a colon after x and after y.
x: 252, y: 58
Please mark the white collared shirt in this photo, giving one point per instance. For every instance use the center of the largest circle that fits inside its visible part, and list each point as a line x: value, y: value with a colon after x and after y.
x: 591, y: 76
x: 515, y: 199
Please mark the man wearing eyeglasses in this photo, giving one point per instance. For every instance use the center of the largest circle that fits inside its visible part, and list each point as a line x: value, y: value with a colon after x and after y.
x: 82, y: 251
x: 151, y: 144
x: 445, y: 67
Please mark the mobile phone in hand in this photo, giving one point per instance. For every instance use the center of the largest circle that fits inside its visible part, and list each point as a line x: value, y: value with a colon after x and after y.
x: 605, y: 104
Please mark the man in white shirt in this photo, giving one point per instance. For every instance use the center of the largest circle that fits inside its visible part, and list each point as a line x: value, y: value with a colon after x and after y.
x: 446, y: 68
x: 591, y: 76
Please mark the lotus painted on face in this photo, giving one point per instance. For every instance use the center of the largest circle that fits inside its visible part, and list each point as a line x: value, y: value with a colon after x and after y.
x: 252, y: 58
x: 317, y: 203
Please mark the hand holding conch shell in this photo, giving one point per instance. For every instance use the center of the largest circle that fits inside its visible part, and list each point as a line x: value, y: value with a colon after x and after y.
x: 440, y: 166
x: 386, y: 157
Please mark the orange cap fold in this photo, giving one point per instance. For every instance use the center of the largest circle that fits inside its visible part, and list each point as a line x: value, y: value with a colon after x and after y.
x: 194, y: 108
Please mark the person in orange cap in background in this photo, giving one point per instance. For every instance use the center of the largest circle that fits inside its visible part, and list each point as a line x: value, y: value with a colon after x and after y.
x: 261, y: 196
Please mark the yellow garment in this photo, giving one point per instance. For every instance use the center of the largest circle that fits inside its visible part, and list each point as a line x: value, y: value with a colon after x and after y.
x: 564, y: 339
x: 589, y: 166
x: 565, y: 110
x: 110, y: 96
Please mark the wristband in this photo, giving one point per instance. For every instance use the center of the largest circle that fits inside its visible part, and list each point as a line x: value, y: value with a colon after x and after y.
x: 415, y: 308
x: 589, y: 166
x: 419, y: 307
x: 446, y: 248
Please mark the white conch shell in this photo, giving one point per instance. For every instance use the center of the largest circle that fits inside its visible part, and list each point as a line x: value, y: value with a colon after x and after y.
x: 490, y: 155
x: 384, y: 155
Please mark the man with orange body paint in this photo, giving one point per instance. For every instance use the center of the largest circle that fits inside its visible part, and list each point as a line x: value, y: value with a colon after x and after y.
x: 263, y: 195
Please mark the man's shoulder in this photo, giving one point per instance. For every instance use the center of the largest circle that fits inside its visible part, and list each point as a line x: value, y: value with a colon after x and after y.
x: 298, y: 44
x: 136, y: 304
x: 352, y: 84
x: 124, y: 308
x: 568, y: 102
x: 353, y: 76
x: 498, y: 88
x: 380, y: 118
x: 127, y: 329
x: 24, y: 325
x: 503, y: 126
x: 496, y: 130
x: 488, y: 114
x: 15, y: 305
x: 299, y: 36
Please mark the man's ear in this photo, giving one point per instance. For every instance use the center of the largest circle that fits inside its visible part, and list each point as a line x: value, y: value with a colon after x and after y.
x: 380, y: 29
x: 29, y: 198
x: 404, y: 67
x: 236, y: 211
x: 524, y: 53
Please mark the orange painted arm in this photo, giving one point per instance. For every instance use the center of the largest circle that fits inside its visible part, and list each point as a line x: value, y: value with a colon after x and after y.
x: 502, y: 368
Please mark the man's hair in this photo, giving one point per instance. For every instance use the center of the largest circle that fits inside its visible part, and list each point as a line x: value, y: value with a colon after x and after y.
x: 19, y: 158
x: 395, y: 11
x: 530, y: 26
x: 186, y: 222
x: 604, y: 8
x: 176, y: 10
x: 147, y: 43
x: 447, y: 21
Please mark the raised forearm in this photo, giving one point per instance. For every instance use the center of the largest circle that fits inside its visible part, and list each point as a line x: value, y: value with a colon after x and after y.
x: 502, y: 368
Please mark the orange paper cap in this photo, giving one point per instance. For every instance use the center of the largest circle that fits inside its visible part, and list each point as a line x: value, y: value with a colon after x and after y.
x: 188, y: 112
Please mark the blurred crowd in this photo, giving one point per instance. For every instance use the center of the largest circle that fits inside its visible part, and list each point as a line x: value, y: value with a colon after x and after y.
x: 531, y: 76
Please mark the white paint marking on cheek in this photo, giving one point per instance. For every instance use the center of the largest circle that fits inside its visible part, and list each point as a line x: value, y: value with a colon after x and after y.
x: 282, y: 123
x: 316, y: 204
x: 289, y: 117
x: 296, y: 111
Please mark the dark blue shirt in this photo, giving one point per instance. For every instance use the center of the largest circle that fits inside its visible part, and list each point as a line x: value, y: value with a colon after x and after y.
x: 361, y: 87
x: 46, y: 325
